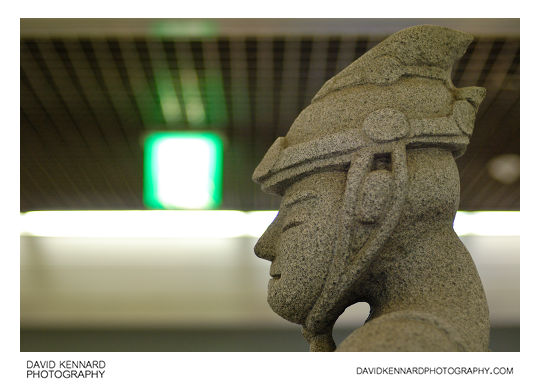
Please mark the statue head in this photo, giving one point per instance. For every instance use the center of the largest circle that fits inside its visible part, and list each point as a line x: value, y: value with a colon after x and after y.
x: 357, y: 162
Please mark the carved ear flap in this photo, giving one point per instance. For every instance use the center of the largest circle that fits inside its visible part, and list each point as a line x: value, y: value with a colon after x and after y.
x: 384, y: 125
x: 375, y: 195
x: 371, y: 181
x: 370, y: 186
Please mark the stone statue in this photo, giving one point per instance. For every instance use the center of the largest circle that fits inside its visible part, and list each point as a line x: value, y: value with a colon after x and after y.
x: 370, y: 189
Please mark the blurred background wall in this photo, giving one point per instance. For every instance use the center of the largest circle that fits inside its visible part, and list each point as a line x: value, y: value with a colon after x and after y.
x: 91, y: 90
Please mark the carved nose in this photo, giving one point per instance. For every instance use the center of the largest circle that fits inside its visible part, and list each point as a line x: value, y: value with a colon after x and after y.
x: 473, y: 95
x: 265, y: 247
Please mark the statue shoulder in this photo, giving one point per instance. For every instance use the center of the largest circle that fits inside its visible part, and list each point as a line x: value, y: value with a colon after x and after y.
x: 404, y: 331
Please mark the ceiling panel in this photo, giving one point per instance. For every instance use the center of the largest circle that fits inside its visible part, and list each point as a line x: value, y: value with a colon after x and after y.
x: 88, y: 99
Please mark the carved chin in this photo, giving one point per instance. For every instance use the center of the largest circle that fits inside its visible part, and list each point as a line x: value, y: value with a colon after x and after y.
x: 293, y: 308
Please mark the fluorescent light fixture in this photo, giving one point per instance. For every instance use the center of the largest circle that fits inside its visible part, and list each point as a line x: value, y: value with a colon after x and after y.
x: 182, y: 170
x: 488, y: 223
x: 258, y: 221
x: 210, y: 223
x: 135, y: 224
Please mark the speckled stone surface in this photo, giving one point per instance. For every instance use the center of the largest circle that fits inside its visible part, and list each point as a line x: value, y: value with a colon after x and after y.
x: 370, y: 189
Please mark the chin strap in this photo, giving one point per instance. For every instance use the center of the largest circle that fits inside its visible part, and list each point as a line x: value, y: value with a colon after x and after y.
x: 319, y: 342
x: 347, y: 266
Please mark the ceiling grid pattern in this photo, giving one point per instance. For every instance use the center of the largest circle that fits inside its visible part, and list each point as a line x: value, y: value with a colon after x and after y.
x: 87, y: 103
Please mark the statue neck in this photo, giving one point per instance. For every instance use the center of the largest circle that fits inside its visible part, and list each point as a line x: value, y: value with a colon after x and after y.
x: 426, y: 268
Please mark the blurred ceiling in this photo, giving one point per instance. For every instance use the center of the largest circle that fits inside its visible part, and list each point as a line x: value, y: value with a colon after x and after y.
x: 91, y: 89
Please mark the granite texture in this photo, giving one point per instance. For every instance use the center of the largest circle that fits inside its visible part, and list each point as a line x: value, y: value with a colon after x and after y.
x: 370, y: 189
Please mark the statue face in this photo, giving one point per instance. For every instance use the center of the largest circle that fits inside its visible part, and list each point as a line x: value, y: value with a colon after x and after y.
x: 300, y: 242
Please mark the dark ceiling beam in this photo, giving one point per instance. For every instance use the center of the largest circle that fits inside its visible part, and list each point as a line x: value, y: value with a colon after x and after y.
x: 189, y: 28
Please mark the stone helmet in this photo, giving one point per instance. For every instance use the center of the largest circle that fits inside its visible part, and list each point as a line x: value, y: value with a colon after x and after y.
x: 396, y: 96
x: 368, y: 105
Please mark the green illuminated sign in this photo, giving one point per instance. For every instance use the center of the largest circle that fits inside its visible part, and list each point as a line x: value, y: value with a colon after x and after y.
x: 182, y: 170
x: 184, y: 28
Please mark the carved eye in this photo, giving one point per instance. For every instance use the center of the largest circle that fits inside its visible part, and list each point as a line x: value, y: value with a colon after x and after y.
x: 290, y: 225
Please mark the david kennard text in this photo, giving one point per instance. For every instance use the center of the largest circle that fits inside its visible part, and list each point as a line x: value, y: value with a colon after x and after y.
x: 65, y: 369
